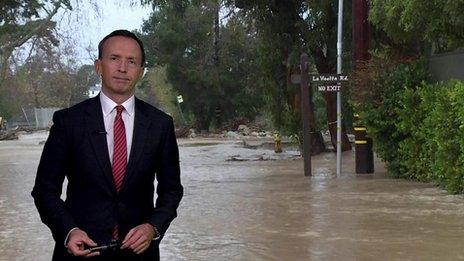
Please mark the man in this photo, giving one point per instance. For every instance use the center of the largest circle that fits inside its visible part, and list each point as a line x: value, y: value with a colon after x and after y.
x: 110, y: 148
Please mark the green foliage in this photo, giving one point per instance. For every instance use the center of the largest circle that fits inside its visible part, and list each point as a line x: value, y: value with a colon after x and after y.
x: 155, y: 89
x: 21, y: 20
x: 46, y: 79
x: 8, y: 106
x: 420, y: 24
x: 434, y: 152
x: 216, y: 84
x: 380, y: 114
x: 319, y: 111
x: 259, y: 48
x: 286, y: 29
x: 418, y: 128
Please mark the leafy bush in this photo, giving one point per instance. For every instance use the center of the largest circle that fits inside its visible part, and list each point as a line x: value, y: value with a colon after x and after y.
x: 446, y: 119
x: 380, y: 112
x: 417, y: 127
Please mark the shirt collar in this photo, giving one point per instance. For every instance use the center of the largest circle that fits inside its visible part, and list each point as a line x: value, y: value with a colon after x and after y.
x: 108, y: 104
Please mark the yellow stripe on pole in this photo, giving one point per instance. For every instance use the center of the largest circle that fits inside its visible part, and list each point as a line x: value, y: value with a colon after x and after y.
x: 360, y: 142
x: 360, y: 128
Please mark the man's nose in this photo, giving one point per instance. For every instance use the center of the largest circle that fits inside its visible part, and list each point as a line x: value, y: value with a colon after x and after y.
x: 122, y: 66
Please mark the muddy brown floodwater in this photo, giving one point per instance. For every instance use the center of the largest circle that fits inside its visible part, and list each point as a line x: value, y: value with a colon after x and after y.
x: 262, y: 209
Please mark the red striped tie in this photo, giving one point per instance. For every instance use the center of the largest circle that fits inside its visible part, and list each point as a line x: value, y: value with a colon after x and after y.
x: 120, y: 149
x: 119, y: 154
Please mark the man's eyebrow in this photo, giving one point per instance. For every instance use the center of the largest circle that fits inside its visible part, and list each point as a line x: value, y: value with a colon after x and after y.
x: 119, y: 56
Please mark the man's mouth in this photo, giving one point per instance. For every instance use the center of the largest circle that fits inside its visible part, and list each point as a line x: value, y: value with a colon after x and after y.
x: 121, y: 79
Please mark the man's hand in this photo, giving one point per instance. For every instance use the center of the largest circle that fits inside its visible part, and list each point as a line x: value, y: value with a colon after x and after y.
x: 77, y: 241
x: 139, y: 238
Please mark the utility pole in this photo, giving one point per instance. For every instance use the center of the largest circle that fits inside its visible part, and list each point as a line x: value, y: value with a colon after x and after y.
x: 360, y: 31
x: 364, y: 157
x: 339, y: 96
x: 305, y: 113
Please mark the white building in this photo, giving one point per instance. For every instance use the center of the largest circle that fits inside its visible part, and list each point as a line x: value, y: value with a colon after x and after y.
x: 94, y: 90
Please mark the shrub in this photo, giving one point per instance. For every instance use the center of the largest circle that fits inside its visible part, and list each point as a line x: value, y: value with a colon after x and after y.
x: 446, y: 119
x: 417, y: 127
x: 379, y: 110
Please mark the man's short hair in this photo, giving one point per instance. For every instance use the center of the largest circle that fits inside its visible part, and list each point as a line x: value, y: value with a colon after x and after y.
x: 124, y: 33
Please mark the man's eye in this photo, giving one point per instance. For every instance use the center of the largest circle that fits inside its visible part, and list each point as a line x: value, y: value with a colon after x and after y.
x: 113, y: 58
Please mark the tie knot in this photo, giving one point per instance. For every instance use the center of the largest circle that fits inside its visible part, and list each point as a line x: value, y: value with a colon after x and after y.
x: 119, y: 109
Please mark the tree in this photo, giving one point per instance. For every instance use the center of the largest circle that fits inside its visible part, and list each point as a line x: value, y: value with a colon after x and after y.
x: 156, y: 90
x: 418, y: 27
x: 208, y: 65
x: 285, y: 29
x: 21, y: 21
x: 48, y: 77
x: 45, y: 80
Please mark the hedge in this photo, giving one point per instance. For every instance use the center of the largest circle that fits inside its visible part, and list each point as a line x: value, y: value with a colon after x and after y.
x: 418, y: 127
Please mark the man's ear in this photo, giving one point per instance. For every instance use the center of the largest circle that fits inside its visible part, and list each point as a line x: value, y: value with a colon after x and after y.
x: 97, y: 66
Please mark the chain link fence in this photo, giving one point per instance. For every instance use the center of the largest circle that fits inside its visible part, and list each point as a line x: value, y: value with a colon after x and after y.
x: 33, y: 118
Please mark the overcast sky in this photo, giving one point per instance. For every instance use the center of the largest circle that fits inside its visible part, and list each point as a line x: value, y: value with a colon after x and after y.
x: 88, y: 24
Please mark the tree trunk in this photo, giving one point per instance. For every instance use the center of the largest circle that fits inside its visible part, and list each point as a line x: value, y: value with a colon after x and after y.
x: 317, y: 142
x: 216, y: 34
x: 360, y: 42
x: 35, y: 89
x: 323, y: 66
x: 331, y: 107
x: 3, y: 68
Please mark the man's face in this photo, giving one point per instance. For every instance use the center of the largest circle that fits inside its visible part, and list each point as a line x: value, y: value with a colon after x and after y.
x: 120, y: 66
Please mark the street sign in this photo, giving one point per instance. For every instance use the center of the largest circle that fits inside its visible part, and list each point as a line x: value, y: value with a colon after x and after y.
x: 327, y: 78
x: 328, y: 82
x: 320, y: 79
x: 329, y: 88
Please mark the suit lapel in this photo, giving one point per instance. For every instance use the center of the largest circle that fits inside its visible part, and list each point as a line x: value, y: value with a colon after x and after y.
x: 97, y: 134
x: 141, y: 126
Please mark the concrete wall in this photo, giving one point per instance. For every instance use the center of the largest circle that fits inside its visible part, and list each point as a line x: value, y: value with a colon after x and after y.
x: 447, y: 66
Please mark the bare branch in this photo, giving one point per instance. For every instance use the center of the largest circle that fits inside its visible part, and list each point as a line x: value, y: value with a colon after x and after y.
x: 31, y: 50
x: 231, y: 12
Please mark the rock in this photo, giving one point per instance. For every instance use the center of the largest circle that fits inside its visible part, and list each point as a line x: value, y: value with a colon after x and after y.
x: 254, y: 134
x: 9, y: 135
x: 249, y: 158
x: 243, y: 129
x: 232, y: 134
x: 192, y: 134
x: 182, y: 131
x: 252, y: 144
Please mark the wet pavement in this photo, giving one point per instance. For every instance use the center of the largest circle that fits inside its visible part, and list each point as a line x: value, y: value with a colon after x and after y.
x: 262, y: 208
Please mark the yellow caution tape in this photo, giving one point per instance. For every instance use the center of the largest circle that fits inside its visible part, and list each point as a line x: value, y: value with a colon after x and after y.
x: 360, y: 142
x: 360, y: 128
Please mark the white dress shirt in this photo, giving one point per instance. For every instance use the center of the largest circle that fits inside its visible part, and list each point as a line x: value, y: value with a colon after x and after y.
x: 109, y: 113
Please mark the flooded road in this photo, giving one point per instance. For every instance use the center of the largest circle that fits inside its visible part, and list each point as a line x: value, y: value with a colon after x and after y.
x: 262, y: 209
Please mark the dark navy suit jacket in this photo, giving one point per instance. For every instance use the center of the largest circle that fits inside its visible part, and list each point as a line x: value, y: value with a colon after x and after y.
x: 77, y: 149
